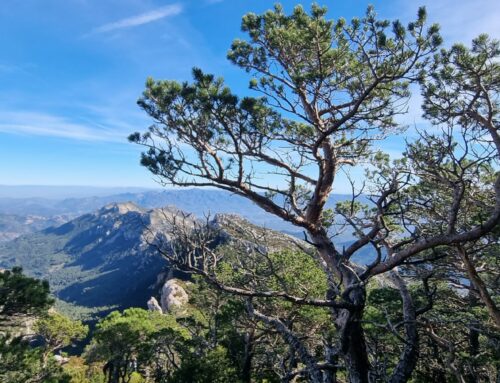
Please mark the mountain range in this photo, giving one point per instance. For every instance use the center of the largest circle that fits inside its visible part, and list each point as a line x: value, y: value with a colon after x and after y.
x: 200, y: 202
x: 95, y: 251
x: 103, y: 260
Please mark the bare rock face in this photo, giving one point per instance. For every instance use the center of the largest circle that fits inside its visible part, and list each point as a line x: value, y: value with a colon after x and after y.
x: 153, y: 305
x: 173, y: 295
x: 61, y: 359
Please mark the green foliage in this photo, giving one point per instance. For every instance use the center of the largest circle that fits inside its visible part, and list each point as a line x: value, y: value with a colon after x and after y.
x: 80, y: 372
x: 22, y: 295
x: 458, y: 75
x: 22, y: 363
x: 19, y: 362
x: 215, y: 366
x: 456, y: 339
x: 268, y: 313
x: 73, y: 258
x: 299, y: 62
x: 58, y: 331
x: 288, y: 270
x: 208, y: 339
x: 123, y: 340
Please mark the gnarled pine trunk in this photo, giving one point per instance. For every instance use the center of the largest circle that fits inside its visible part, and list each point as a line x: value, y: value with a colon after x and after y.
x: 409, y: 356
x: 352, y: 339
x: 347, y: 321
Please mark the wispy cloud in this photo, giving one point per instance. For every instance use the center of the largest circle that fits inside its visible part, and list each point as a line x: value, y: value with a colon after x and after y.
x: 141, y: 19
x: 49, y: 125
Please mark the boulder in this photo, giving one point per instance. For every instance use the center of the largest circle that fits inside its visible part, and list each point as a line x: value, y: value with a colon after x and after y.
x: 173, y: 295
x: 153, y: 305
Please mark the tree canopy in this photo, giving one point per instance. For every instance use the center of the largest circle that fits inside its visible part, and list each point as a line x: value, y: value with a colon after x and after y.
x: 330, y: 90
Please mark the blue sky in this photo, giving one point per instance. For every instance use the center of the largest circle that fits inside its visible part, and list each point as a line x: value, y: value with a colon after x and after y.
x: 72, y: 70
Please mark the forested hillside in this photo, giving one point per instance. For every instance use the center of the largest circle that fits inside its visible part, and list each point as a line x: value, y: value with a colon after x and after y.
x: 12, y: 226
x: 97, y: 261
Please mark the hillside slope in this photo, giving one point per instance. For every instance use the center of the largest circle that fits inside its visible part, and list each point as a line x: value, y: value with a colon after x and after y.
x: 97, y: 260
x: 103, y: 260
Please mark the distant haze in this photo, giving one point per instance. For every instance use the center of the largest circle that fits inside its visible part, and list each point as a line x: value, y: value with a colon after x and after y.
x: 59, y: 192
x: 57, y: 203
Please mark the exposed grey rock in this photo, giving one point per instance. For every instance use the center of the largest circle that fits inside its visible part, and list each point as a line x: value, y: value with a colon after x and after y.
x: 236, y: 228
x: 173, y: 295
x: 61, y: 359
x: 153, y: 305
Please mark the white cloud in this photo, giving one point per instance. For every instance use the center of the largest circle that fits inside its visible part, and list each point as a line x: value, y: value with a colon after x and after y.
x: 43, y: 124
x: 141, y: 19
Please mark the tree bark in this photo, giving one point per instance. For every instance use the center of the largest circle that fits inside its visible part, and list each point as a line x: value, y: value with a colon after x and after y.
x: 314, y: 373
x: 353, y: 345
x: 409, y: 356
x: 246, y: 373
x: 471, y: 373
x: 479, y: 285
x: 347, y: 321
x: 331, y: 357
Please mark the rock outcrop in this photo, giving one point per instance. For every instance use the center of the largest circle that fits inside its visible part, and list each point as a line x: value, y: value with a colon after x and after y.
x: 173, y: 295
x: 153, y: 305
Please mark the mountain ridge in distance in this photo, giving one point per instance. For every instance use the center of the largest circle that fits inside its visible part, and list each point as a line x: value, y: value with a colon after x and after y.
x: 196, y: 201
x: 103, y: 260
x: 66, y: 191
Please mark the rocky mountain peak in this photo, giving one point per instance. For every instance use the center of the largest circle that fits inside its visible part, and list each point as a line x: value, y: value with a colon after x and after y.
x: 122, y: 208
x: 105, y: 259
